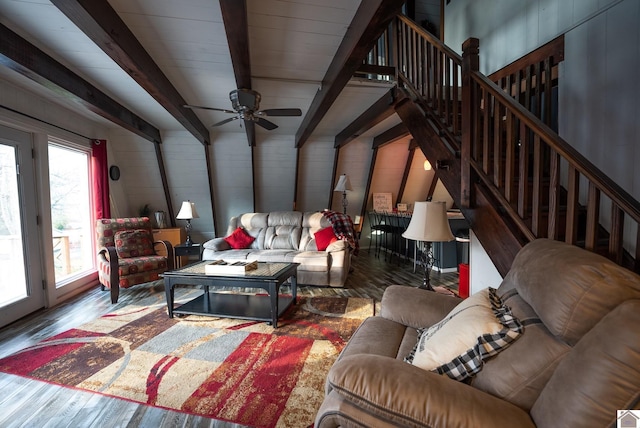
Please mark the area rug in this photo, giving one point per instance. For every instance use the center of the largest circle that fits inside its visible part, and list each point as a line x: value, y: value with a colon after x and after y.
x: 232, y: 370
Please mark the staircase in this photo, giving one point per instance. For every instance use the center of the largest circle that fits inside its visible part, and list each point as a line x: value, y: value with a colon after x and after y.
x: 513, y: 177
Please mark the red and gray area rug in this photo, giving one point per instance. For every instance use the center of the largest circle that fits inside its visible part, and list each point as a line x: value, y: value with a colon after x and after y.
x: 231, y: 370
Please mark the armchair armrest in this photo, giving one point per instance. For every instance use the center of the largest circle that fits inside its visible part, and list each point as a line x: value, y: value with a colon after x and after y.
x: 415, y: 307
x: 168, y: 250
x: 109, y: 255
x: 406, y: 395
x: 217, y: 244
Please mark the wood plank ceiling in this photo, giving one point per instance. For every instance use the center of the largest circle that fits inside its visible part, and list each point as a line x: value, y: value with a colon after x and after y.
x: 297, y: 54
x: 128, y: 60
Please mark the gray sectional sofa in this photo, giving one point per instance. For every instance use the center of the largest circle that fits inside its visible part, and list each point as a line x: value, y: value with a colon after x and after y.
x: 287, y: 236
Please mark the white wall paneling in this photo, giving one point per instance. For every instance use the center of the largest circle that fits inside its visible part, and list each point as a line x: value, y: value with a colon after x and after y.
x: 314, y: 175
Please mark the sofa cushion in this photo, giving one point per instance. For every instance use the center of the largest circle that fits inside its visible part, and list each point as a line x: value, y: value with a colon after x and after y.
x: 599, y: 376
x: 311, y: 223
x: 255, y: 224
x: 519, y: 373
x: 239, y: 239
x: 324, y: 237
x: 227, y: 255
x: 474, y: 330
x: 285, y: 218
x: 570, y: 289
x: 133, y: 243
x: 282, y: 237
x: 273, y: 256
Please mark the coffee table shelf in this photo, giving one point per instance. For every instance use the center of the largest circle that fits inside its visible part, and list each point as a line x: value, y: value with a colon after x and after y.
x: 241, y: 306
x: 268, y: 276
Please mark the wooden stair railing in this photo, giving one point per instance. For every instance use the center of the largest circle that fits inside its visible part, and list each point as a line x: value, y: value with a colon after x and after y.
x: 538, y: 182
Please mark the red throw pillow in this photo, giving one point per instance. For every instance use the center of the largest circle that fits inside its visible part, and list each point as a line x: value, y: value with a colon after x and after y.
x: 239, y: 239
x: 324, y: 237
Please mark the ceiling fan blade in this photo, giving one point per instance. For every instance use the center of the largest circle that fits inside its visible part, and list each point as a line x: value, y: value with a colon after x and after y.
x: 226, y: 121
x: 209, y: 108
x: 280, y: 112
x: 270, y: 126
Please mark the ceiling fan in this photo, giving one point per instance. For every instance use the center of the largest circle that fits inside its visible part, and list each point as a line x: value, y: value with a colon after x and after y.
x: 246, y: 106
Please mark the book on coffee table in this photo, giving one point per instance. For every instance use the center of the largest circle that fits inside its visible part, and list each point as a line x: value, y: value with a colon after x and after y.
x: 221, y: 266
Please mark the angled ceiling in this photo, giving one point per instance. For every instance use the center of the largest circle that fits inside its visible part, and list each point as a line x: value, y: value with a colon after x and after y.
x: 177, y: 52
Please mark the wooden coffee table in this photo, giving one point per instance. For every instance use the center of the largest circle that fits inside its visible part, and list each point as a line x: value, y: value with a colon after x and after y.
x: 269, y: 276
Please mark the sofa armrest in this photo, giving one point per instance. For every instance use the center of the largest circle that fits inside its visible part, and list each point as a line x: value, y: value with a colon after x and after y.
x: 217, y: 244
x: 339, y: 245
x: 405, y: 395
x: 415, y: 307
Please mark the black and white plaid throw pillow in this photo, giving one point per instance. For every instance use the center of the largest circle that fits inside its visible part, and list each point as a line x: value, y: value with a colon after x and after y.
x: 476, y: 329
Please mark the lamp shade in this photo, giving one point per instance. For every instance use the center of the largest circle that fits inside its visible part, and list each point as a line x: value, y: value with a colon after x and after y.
x: 187, y: 211
x: 429, y: 223
x: 343, y: 184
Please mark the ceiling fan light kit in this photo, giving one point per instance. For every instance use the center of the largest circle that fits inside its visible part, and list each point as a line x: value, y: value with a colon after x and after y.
x: 246, y: 106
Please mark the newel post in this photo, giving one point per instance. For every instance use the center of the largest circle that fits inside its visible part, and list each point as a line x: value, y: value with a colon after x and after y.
x: 470, y: 64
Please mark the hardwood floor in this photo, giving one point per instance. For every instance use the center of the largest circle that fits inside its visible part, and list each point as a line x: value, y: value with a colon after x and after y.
x: 31, y: 403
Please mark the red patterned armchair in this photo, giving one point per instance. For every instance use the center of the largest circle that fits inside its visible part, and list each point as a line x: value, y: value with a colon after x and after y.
x: 127, y: 254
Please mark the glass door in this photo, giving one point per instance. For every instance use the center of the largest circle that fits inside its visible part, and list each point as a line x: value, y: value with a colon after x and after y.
x: 21, y: 281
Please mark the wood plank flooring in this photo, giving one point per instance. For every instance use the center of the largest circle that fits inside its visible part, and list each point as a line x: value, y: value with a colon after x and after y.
x: 30, y: 403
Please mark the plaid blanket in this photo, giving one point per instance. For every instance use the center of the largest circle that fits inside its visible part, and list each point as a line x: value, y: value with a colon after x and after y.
x: 343, y: 228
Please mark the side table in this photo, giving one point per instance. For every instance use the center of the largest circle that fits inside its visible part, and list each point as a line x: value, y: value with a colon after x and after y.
x: 183, y: 251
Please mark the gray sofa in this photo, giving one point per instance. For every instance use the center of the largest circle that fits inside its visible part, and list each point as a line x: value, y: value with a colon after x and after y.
x: 287, y: 236
x: 576, y: 363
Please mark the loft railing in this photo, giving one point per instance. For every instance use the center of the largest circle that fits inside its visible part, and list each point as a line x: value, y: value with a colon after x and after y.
x: 540, y: 181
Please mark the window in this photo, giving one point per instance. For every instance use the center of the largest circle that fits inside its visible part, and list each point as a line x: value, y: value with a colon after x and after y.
x: 71, y: 219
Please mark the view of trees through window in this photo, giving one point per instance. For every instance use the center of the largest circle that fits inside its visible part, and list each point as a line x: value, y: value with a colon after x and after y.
x: 13, y: 282
x: 70, y: 211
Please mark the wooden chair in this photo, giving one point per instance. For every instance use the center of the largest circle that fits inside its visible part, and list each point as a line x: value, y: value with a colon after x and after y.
x: 127, y: 254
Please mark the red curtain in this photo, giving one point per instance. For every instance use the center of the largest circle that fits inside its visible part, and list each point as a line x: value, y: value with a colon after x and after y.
x: 100, y: 169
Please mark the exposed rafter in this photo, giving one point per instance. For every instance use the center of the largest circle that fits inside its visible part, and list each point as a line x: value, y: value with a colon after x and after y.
x: 98, y: 20
x: 390, y: 135
x: 23, y: 57
x: 369, y: 22
x: 234, y: 15
x: 379, y: 111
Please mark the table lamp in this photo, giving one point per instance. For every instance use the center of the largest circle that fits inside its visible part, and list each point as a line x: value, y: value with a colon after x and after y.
x: 188, y: 212
x: 429, y: 223
x: 343, y: 185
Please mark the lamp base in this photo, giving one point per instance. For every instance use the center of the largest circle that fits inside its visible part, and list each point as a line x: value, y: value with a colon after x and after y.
x: 187, y: 229
x: 344, y: 202
x: 427, y: 263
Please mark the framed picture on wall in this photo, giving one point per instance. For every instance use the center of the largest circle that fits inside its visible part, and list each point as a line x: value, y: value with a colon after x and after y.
x: 402, y: 207
x: 382, y: 202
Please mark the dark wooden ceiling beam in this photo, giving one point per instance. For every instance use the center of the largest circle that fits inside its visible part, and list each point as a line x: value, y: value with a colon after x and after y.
x: 379, y: 111
x: 236, y: 26
x: 384, y: 70
x: 20, y: 55
x: 369, y: 22
x: 98, y: 20
x: 390, y: 135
